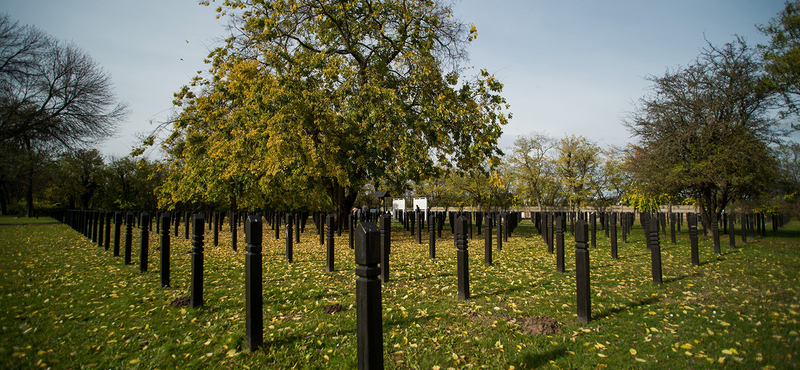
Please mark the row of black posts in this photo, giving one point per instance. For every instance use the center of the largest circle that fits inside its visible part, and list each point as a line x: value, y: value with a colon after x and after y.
x: 372, y: 248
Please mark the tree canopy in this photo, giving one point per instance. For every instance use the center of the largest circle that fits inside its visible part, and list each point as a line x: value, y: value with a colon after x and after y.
x: 53, y: 96
x: 705, y: 130
x: 311, y: 96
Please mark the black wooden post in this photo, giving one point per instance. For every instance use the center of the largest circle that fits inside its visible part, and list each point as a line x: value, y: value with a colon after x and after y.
x: 178, y: 223
x: 624, y: 223
x: 108, y: 229
x: 507, y: 228
x: 234, y: 220
x: 548, y: 226
x: 560, y: 226
x: 297, y: 227
x: 432, y: 236
x: 165, y: 248
x: 499, y: 219
x: 655, y: 251
x: 187, y: 216
x: 100, y: 224
x: 487, y: 240
x: 584, y: 300
x: 351, y: 230
x: 144, y: 249
x: 369, y: 320
x: 216, y: 228
x: 715, y: 232
x: 117, y: 227
x: 277, y: 223
x: 198, y: 228
x: 95, y: 219
x: 463, y: 257
x: 731, y: 234
x: 330, y: 258
x: 254, y: 300
x: 593, y: 225
x: 321, y: 223
x: 612, y: 225
x: 128, y: 237
x: 386, y: 244
x: 672, y: 228
x: 289, y: 238
x: 691, y: 220
x: 418, y: 229
x: 743, y: 222
x: 724, y: 222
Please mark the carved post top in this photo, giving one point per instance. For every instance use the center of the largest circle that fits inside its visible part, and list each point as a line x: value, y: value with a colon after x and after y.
x: 118, y: 217
x: 581, y: 234
x: 560, y: 224
x: 460, y: 231
x: 386, y: 223
x: 654, y: 230
x: 289, y: 217
x: 367, y: 247
x: 330, y: 219
x: 165, y: 222
x: 144, y: 217
x: 253, y: 230
x: 199, y: 224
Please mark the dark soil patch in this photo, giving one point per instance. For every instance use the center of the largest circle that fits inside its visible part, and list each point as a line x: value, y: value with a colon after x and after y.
x: 181, y: 302
x: 333, y: 308
x: 539, y: 325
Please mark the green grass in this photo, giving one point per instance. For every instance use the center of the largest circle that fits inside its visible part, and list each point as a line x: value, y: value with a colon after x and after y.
x: 15, y: 220
x: 65, y: 303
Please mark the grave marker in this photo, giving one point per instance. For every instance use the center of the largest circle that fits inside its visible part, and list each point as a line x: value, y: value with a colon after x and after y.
x: 128, y: 237
x: 487, y: 240
x: 691, y: 220
x: 330, y: 254
x: 197, y: 261
x: 386, y: 243
x: 254, y: 300
x: 369, y: 320
x: 655, y: 252
x: 144, y: 249
x: 584, y: 300
x: 463, y: 257
x: 165, y: 249
x: 289, y: 238
x: 560, y: 226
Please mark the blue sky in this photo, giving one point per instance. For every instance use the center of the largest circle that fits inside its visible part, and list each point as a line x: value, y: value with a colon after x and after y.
x: 568, y: 67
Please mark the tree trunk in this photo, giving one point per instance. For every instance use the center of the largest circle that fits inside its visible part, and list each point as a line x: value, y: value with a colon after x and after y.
x: 342, y: 199
x: 29, y: 181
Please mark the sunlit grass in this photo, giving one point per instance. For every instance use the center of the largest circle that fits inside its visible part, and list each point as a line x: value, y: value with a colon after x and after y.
x: 65, y: 303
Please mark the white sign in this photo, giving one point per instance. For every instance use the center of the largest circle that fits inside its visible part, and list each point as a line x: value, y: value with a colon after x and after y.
x: 422, y: 203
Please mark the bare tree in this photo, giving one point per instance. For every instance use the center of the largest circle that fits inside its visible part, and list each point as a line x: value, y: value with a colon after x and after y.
x: 52, y: 96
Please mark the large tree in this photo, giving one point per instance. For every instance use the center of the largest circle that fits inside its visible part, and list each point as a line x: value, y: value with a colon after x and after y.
x: 53, y: 96
x: 532, y: 165
x: 782, y: 57
x: 704, y: 131
x: 578, y: 164
x: 326, y: 96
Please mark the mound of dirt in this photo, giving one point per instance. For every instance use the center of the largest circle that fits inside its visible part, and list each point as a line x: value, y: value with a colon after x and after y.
x: 181, y: 302
x: 539, y: 325
x: 333, y: 308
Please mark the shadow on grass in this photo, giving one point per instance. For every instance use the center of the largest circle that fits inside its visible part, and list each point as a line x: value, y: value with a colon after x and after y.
x: 532, y: 360
x: 515, y: 288
x: 679, y: 278
x: 628, y: 306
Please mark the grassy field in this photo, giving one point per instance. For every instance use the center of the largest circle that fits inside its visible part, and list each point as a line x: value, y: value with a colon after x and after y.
x: 65, y: 303
x: 14, y: 220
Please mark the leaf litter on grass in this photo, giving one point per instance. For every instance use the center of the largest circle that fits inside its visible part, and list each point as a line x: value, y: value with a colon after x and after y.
x: 734, y: 309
